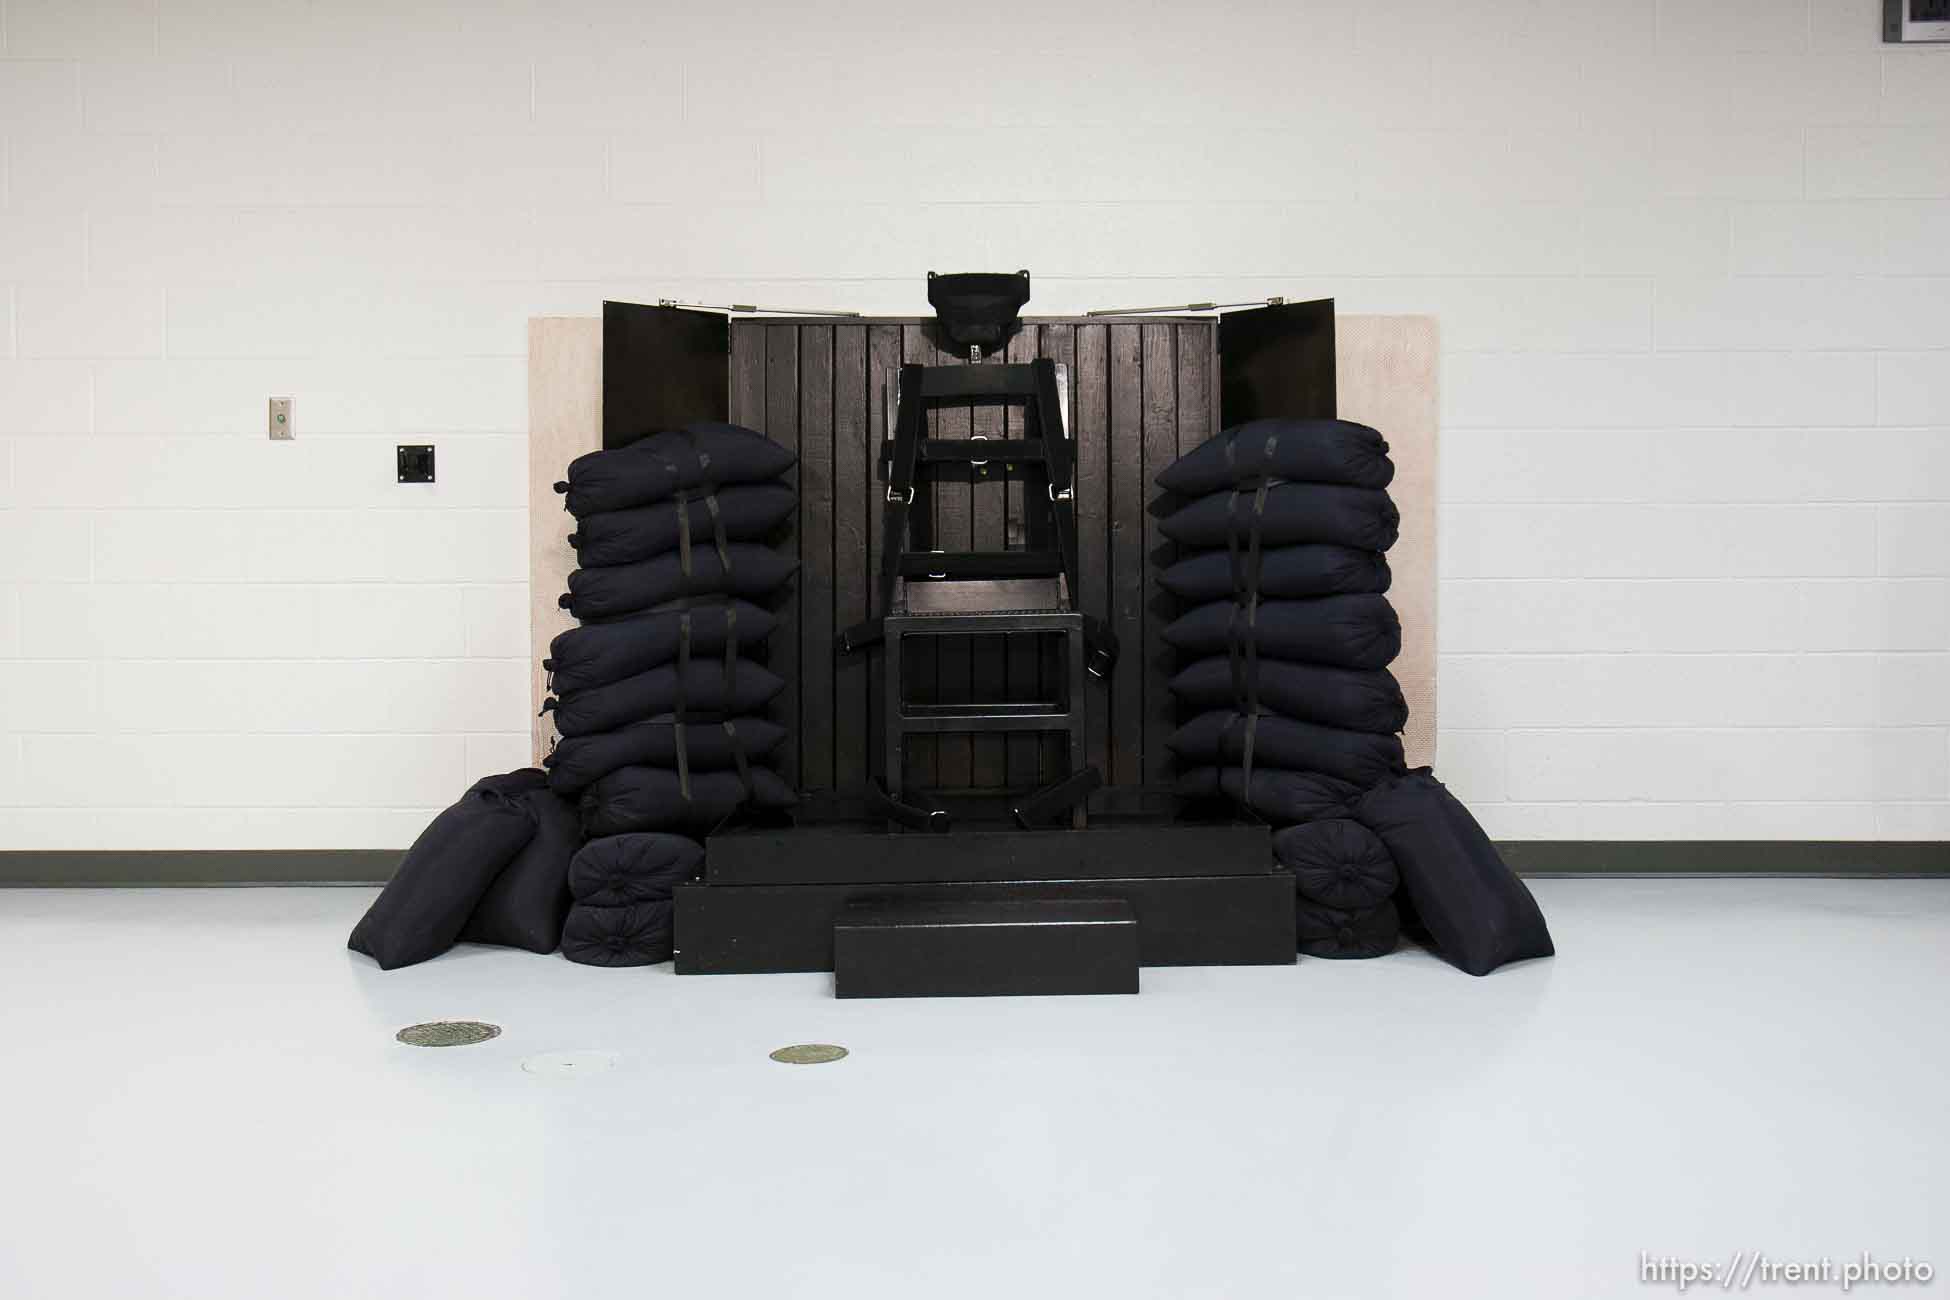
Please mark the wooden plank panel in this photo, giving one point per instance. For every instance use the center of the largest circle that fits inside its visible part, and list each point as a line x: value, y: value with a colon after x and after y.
x: 1386, y: 367
x: 1124, y: 455
x: 853, y: 516
x: 816, y: 557
x: 883, y: 363
x: 1022, y: 658
x: 1090, y: 416
x: 1058, y: 343
x: 1197, y: 422
x: 782, y: 426
x: 748, y: 373
x: 989, y: 531
x: 565, y: 419
x: 921, y: 658
x: 1159, y: 449
x: 954, y: 530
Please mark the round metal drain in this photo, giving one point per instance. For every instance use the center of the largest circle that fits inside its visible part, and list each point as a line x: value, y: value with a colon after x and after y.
x: 809, y: 1054
x: 448, y: 1033
x: 567, y: 1065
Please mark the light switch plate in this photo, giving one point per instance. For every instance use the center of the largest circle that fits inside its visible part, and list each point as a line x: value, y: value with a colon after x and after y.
x: 281, y: 430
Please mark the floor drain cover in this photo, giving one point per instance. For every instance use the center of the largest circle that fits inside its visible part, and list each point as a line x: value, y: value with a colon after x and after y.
x: 569, y: 1064
x: 448, y: 1033
x: 808, y: 1054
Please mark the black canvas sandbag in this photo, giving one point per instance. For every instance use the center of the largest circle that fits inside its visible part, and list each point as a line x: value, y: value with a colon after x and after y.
x: 619, y: 936
x: 1307, y: 451
x: 424, y: 907
x: 652, y: 469
x: 652, y: 799
x: 1292, y: 512
x: 701, y: 689
x: 1285, y: 572
x: 1337, y: 862
x: 616, y: 590
x: 1478, y: 914
x: 1222, y: 735
x: 1345, y: 631
x: 597, y: 654
x: 524, y: 906
x: 1275, y: 793
x: 578, y: 762
x: 740, y: 514
x: 1341, y: 934
x: 622, y: 870
x: 1354, y: 698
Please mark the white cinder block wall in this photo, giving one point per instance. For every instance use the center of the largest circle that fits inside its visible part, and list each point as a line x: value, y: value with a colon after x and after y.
x: 1691, y: 259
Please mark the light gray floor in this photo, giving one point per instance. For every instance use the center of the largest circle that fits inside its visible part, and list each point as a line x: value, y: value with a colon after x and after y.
x: 203, y: 1098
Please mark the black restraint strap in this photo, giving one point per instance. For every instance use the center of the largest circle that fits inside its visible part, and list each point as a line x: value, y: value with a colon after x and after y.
x: 683, y: 700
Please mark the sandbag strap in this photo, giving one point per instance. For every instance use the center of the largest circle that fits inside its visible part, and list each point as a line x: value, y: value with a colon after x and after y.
x: 683, y: 703
x: 738, y: 757
x: 1246, y: 757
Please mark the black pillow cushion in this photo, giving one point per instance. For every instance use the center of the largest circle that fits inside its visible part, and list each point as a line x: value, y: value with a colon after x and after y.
x: 1478, y: 914
x: 619, y: 936
x: 1219, y: 736
x: 654, y: 468
x: 597, y: 654
x: 580, y: 761
x: 1335, y: 932
x: 619, y: 589
x: 1336, y: 862
x: 1294, y: 512
x: 1275, y: 793
x: 701, y: 688
x: 424, y: 907
x: 1309, y: 569
x: 622, y: 536
x: 1310, y: 451
x: 524, y: 906
x: 1359, y: 699
x: 1347, y: 631
x: 622, y: 870
x: 651, y: 799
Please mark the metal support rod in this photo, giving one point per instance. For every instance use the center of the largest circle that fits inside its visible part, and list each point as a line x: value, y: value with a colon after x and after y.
x: 1187, y: 306
x: 747, y: 309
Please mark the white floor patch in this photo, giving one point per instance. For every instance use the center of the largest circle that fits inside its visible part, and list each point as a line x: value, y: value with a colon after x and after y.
x: 567, y: 1065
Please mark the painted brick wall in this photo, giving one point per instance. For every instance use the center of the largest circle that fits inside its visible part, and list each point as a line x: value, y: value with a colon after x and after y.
x: 1692, y: 262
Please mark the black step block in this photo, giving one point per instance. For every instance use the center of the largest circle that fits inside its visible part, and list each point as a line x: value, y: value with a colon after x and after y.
x: 1182, y: 920
x: 985, y: 948
x: 854, y: 854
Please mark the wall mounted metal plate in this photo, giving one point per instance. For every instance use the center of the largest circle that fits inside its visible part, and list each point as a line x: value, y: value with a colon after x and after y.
x: 416, y: 464
x: 280, y: 428
x: 1915, y: 22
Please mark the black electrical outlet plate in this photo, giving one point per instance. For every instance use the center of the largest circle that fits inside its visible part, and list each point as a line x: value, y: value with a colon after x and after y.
x: 415, y: 464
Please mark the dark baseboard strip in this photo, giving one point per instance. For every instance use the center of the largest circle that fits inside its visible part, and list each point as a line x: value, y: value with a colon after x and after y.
x: 191, y: 867
x: 1727, y: 857
x: 1541, y: 858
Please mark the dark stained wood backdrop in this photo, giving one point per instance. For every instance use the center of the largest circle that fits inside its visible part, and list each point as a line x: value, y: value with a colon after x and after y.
x: 1142, y: 390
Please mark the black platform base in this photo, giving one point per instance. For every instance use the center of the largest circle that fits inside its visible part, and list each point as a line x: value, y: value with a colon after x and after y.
x: 984, y: 949
x: 1110, y: 847
x: 1235, y: 920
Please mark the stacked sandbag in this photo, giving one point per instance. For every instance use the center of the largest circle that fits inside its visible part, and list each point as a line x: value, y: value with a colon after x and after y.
x: 1284, y: 650
x: 659, y: 695
x: 623, y: 906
